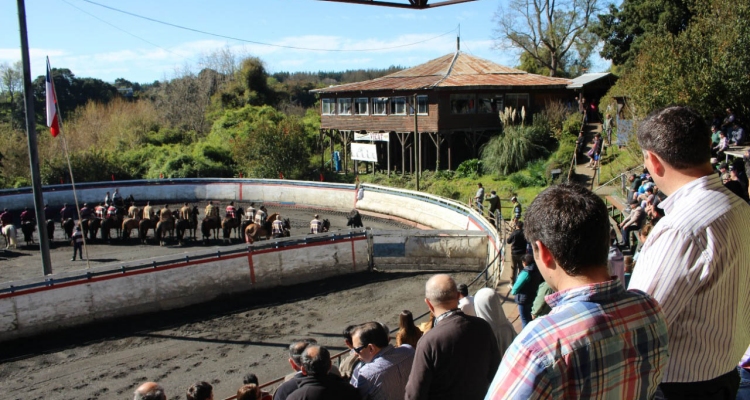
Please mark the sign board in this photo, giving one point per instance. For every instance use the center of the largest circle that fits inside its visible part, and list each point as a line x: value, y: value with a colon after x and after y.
x: 372, y: 136
x: 364, y: 152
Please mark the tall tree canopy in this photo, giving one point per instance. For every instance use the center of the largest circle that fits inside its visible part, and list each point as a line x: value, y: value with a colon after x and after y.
x: 623, y: 29
x: 551, y: 32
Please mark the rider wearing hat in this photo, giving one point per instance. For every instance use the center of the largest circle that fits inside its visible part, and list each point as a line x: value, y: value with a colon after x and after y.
x: 277, y: 228
x: 316, y: 225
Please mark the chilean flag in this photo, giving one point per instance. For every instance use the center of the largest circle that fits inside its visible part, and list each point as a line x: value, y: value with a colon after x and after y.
x: 52, y: 117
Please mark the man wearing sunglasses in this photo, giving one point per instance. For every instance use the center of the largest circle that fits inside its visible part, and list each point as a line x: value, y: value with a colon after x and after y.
x: 385, y: 369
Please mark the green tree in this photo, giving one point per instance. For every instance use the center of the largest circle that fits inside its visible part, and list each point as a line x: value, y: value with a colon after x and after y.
x: 547, y: 30
x: 274, y: 148
x: 625, y: 28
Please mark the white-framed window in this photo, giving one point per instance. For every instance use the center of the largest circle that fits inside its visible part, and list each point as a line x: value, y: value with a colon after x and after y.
x: 463, y: 103
x: 422, y: 106
x: 328, y: 107
x: 398, y: 106
x: 361, y: 106
x: 489, y: 103
x: 345, y: 106
x: 517, y: 101
x: 379, y: 106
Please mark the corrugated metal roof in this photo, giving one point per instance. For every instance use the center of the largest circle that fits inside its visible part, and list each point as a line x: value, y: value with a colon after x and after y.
x: 451, y: 71
x: 585, y: 79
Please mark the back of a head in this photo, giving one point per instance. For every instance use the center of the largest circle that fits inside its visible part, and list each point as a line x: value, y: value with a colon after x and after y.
x: 463, y: 289
x: 248, y: 392
x: 678, y: 135
x: 348, y: 331
x: 528, y: 259
x: 150, y: 391
x: 441, y: 289
x: 200, y: 391
x: 572, y: 222
x: 298, y: 347
x: 406, y: 320
x: 316, y: 360
x: 250, y: 378
x: 372, y: 333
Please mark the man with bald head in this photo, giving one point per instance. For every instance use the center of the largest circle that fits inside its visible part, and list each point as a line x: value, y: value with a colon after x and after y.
x: 150, y: 391
x: 458, y: 357
x: 318, y: 383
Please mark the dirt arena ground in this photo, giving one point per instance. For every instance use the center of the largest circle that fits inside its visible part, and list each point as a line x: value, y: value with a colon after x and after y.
x: 26, y: 262
x: 217, y: 342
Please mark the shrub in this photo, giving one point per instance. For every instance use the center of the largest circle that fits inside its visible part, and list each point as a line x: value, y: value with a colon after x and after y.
x: 572, y: 125
x: 469, y: 168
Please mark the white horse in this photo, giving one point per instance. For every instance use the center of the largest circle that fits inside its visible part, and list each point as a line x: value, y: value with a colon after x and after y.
x: 9, y: 232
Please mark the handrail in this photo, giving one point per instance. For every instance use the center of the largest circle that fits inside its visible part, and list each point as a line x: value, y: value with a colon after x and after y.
x: 171, y: 260
x: 617, y: 177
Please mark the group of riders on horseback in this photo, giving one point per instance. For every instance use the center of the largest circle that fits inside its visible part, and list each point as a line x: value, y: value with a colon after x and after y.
x: 253, y: 223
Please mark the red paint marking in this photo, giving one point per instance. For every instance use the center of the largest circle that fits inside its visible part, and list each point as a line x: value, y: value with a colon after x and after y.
x: 164, y: 268
x: 252, y: 267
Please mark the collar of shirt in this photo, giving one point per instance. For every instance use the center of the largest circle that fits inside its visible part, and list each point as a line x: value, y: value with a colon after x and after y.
x: 382, y: 352
x: 593, y: 292
x: 446, y: 315
x: 711, y: 181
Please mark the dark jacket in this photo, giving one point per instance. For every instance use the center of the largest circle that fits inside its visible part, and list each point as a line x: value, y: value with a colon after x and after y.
x: 457, y: 359
x: 517, y: 242
x: 326, y: 387
x: 527, y: 293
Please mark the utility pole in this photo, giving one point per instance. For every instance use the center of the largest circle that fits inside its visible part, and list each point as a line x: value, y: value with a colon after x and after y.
x: 36, y: 181
x: 416, y: 141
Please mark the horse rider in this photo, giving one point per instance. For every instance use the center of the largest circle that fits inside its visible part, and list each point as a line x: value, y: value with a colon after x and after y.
x: 107, y: 200
x: 27, y: 215
x: 211, y: 211
x: 100, y: 211
x: 85, y: 212
x: 231, y: 211
x: 260, y: 216
x: 134, y: 212
x: 67, y: 212
x: 112, y: 211
x: 6, y: 218
x: 185, y: 212
x: 49, y: 213
x: 117, y: 198
x: 277, y: 228
x: 165, y: 214
x: 316, y: 225
x: 250, y: 213
x: 148, y: 211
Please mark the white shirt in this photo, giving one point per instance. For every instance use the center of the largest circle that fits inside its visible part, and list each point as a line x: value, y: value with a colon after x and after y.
x: 696, y: 264
x: 466, y: 304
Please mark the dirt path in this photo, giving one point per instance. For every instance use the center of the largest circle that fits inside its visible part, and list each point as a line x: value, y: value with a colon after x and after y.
x: 217, y: 342
x: 26, y: 262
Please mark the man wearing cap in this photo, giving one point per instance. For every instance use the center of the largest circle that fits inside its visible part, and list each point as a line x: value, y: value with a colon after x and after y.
x: 632, y: 222
x: 277, y: 228
x: 316, y: 225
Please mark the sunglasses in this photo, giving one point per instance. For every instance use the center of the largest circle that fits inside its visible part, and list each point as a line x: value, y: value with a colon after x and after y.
x: 358, y: 349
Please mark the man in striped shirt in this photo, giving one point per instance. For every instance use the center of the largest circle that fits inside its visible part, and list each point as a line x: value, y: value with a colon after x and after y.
x: 696, y: 260
x: 599, y: 341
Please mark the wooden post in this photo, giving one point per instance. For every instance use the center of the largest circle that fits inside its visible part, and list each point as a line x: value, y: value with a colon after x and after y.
x: 388, y: 146
x: 417, y: 150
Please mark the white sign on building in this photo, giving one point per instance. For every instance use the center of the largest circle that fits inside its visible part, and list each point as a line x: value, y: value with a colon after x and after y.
x: 372, y: 136
x: 364, y: 152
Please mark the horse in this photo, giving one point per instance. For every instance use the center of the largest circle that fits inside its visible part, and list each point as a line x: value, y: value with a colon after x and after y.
x: 326, y: 225
x: 28, y: 228
x: 90, y: 227
x: 228, y: 224
x: 9, y: 233
x: 143, y: 227
x: 209, y: 225
x: 67, y: 227
x: 181, y: 226
x: 51, y: 229
x: 160, y: 232
x: 354, y: 219
x: 253, y: 232
x: 128, y: 224
x: 194, y: 221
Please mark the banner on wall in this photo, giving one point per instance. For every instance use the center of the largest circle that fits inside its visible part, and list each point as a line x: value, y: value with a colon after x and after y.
x: 372, y: 136
x: 364, y: 152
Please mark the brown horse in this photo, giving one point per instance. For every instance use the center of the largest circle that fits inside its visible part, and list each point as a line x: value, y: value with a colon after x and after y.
x: 90, y: 227
x: 162, y: 228
x: 228, y: 224
x: 128, y: 224
x: 254, y: 232
x: 51, y: 229
x: 67, y: 226
x: 209, y: 225
x: 143, y: 227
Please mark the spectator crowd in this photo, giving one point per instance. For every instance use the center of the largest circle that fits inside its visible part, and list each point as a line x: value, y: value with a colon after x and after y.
x: 670, y: 322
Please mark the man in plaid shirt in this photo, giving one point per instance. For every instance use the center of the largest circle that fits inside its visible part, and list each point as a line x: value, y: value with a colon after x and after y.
x: 599, y: 341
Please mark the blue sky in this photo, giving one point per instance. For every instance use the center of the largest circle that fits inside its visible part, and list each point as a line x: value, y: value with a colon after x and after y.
x: 93, y: 41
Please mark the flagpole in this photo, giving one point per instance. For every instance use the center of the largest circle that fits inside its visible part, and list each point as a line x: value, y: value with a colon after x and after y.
x: 36, y: 181
x: 70, y: 168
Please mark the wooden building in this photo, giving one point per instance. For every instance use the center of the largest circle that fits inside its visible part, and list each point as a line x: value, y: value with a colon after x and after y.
x: 457, y: 99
